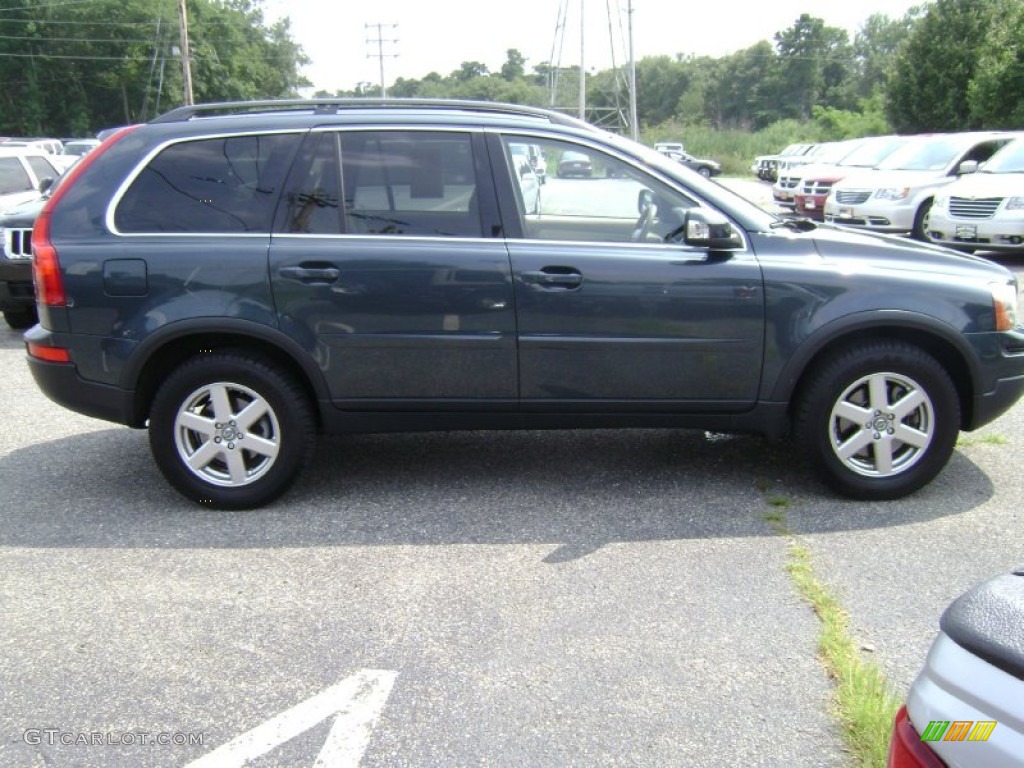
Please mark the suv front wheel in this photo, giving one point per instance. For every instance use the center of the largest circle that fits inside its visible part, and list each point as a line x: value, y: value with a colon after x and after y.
x: 879, y: 419
x: 231, y: 431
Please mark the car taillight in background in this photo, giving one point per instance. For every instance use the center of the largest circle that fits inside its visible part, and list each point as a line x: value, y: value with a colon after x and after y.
x: 906, y: 750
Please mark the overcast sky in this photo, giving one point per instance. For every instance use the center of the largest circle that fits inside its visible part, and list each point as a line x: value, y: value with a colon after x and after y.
x: 438, y: 35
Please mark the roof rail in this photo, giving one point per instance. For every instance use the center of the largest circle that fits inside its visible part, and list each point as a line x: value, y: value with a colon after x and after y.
x: 333, y: 106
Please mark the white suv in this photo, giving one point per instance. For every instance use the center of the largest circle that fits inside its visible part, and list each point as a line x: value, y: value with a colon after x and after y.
x: 983, y: 210
x: 22, y: 172
x: 896, y: 196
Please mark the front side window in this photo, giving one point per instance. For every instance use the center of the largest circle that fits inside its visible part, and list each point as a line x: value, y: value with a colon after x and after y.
x: 590, y: 195
x: 218, y: 185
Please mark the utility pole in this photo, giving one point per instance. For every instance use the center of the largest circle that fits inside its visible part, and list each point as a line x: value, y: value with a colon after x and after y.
x: 186, y: 67
x: 634, y: 125
x: 583, y: 71
x: 379, y: 41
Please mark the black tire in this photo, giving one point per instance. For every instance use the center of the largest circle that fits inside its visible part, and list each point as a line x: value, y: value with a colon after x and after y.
x: 704, y: 171
x: 195, y: 414
x: 920, y: 231
x: 894, y: 451
x: 19, y: 319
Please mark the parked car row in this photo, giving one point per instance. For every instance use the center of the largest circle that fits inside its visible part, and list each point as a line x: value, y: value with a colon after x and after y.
x: 765, y: 167
x: 957, y: 189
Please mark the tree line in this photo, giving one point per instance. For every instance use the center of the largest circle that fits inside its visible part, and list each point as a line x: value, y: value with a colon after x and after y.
x: 69, y: 69
x: 946, y: 65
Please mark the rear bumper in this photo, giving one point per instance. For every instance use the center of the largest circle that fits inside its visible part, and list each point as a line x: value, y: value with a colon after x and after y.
x: 61, y: 383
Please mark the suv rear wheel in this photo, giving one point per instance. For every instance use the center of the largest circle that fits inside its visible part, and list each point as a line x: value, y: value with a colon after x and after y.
x: 879, y: 419
x: 231, y: 431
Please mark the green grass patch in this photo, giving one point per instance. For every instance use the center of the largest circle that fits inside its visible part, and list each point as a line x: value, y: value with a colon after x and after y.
x: 864, y: 704
x: 990, y: 438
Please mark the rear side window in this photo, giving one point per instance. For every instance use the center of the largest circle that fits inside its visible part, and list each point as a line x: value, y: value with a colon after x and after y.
x: 390, y: 183
x: 219, y: 185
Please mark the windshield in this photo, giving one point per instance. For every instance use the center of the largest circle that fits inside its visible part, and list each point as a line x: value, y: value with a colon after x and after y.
x: 933, y: 154
x: 1009, y: 159
x: 873, y: 151
x: 832, y: 153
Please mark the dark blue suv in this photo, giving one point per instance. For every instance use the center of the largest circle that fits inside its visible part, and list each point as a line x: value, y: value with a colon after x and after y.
x: 239, y: 277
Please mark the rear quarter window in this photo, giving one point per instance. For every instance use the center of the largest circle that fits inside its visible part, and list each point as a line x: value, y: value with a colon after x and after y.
x: 215, y: 185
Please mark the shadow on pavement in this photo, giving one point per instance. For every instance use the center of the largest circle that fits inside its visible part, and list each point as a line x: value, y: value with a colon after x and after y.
x: 577, y: 490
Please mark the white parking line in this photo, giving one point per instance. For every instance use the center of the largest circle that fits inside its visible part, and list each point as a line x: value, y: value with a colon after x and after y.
x: 356, y: 703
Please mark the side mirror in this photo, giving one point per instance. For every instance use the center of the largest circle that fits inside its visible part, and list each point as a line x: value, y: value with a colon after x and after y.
x: 703, y: 228
x: 45, y: 183
x: 967, y: 166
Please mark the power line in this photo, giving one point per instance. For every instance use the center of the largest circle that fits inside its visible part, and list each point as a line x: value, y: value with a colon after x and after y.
x: 45, y: 5
x: 274, y: 57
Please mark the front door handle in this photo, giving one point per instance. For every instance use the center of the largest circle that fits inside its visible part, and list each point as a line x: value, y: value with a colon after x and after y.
x: 554, y: 277
x: 310, y: 274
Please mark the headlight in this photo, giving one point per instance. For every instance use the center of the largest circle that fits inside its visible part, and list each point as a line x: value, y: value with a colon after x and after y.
x: 892, y: 193
x: 1015, y: 203
x: 1004, y: 304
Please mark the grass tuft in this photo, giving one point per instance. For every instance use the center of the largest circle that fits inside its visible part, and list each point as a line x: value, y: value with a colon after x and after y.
x: 864, y: 704
x: 989, y: 438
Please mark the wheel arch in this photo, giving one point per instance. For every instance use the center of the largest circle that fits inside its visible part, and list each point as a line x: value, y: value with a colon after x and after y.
x: 161, y: 354
x: 948, y: 352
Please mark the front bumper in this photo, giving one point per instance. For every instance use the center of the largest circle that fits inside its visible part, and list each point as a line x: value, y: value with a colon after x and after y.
x: 1000, y: 233
x: 894, y: 217
x: 1002, y: 358
x: 811, y: 206
x: 16, y: 289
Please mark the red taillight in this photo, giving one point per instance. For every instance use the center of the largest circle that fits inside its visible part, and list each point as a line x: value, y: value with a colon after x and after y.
x: 906, y: 750
x: 45, y: 267
x: 45, y: 264
x: 50, y: 354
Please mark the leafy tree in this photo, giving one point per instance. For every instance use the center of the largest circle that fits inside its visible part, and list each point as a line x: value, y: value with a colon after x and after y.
x: 70, y: 69
x: 934, y: 69
x: 874, y: 49
x: 746, y: 92
x: 514, y: 66
x: 996, y: 94
x: 469, y: 70
x: 814, y: 63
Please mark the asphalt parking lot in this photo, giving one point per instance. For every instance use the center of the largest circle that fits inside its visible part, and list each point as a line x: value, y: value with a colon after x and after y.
x: 545, y: 599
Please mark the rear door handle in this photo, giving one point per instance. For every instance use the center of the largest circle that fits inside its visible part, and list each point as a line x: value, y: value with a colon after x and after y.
x: 554, y: 277
x: 310, y: 274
